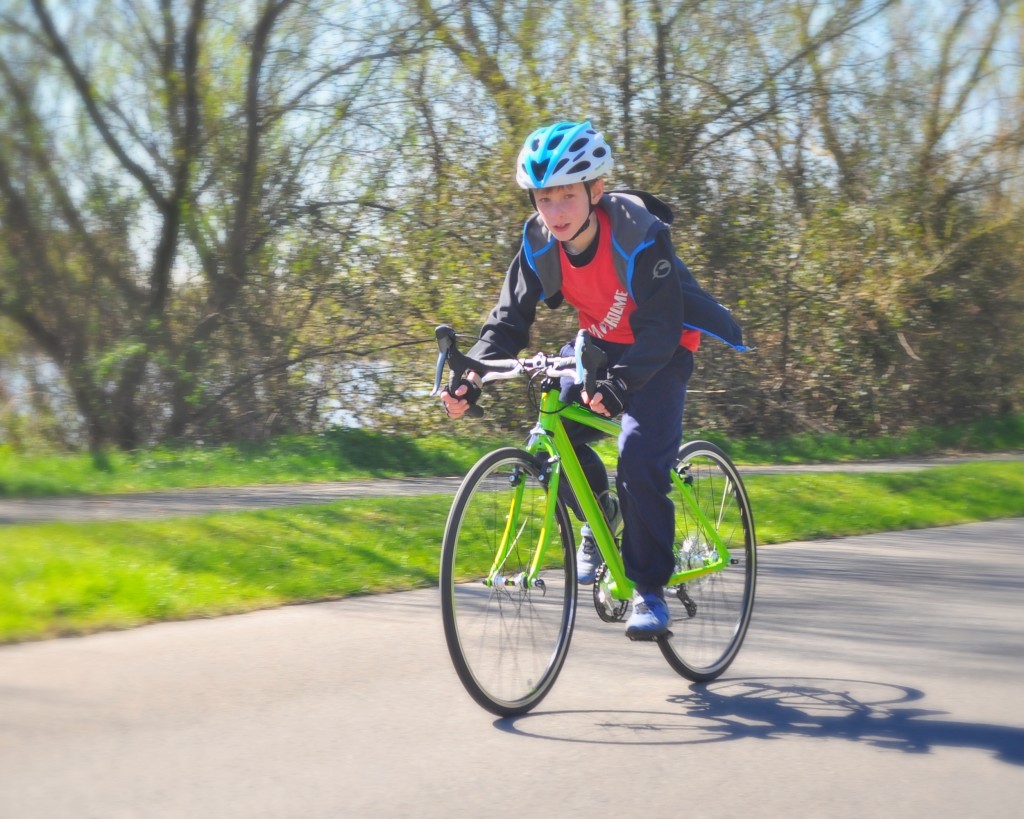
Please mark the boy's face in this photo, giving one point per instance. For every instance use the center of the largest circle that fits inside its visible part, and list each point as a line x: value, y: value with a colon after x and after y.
x: 565, y: 208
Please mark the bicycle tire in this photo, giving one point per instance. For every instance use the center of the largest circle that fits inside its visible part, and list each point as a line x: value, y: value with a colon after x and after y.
x: 507, y: 642
x: 710, y: 615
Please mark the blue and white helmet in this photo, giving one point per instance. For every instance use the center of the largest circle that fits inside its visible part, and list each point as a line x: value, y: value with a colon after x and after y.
x: 562, y: 154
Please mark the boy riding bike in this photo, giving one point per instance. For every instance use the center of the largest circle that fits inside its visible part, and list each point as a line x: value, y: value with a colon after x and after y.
x: 609, y: 255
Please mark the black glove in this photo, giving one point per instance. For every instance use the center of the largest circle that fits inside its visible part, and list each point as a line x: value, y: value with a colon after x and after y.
x: 472, y: 394
x: 613, y: 394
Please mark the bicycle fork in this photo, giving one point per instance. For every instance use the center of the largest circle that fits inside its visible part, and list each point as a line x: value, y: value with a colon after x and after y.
x: 515, y: 527
x: 707, y: 529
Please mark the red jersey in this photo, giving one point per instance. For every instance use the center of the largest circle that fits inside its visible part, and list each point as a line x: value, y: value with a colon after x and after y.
x: 599, y: 296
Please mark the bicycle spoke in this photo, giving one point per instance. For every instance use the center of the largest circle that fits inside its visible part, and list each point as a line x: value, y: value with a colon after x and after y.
x: 710, y: 614
x: 508, y: 636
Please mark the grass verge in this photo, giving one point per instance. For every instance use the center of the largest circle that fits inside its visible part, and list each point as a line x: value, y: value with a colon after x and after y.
x: 346, y: 454
x: 343, y: 454
x: 67, y: 579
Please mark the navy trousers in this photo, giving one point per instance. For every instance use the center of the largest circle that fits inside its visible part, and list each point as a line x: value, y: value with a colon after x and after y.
x: 652, y: 431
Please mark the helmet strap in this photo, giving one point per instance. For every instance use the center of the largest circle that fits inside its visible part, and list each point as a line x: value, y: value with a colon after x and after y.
x: 586, y: 223
x: 583, y: 227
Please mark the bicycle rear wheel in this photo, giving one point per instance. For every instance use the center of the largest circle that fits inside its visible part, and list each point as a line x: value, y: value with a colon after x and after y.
x: 710, y: 615
x: 507, y: 639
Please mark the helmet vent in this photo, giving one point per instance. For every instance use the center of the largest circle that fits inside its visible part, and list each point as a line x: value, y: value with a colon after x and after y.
x: 563, y: 154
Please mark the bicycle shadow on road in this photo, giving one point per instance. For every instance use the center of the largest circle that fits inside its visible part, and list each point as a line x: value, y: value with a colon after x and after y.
x: 767, y: 708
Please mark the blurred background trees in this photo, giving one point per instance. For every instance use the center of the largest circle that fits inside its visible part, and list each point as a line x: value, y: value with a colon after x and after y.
x: 223, y: 221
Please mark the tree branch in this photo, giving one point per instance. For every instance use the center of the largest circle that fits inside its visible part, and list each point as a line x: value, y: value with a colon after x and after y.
x: 85, y: 92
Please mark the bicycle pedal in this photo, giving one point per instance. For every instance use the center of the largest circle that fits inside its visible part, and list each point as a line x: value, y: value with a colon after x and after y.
x: 648, y: 638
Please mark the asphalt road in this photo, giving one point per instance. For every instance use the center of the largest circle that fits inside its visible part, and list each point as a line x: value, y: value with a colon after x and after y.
x: 881, y: 677
x: 149, y: 505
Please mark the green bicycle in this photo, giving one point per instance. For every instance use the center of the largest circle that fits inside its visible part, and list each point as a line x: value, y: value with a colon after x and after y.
x: 508, y: 562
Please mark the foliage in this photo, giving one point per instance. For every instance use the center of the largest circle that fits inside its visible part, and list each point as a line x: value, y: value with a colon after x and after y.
x: 225, y: 222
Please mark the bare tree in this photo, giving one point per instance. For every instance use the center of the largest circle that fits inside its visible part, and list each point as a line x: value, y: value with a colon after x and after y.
x: 168, y: 251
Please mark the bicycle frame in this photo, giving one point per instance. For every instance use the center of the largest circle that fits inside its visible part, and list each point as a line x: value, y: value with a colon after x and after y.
x: 508, y: 643
x: 550, y: 439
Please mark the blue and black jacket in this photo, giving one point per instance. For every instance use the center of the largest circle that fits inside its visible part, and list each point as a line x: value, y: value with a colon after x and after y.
x: 667, y: 296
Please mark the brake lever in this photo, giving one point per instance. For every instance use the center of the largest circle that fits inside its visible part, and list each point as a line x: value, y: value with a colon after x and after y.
x: 441, y: 359
x: 445, y: 337
x: 589, y: 359
x: 457, y: 363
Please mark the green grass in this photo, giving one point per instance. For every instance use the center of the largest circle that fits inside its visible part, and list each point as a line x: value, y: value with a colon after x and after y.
x: 63, y: 579
x: 814, y: 506
x: 993, y: 435
x: 338, y: 455
x: 351, y: 454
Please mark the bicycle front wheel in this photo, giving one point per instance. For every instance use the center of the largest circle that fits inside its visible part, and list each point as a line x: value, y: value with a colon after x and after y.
x: 710, y: 615
x: 508, y: 611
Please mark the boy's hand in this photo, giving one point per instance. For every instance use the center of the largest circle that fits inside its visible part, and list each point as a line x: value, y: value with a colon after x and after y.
x: 466, y: 394
x: 609, y: 397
